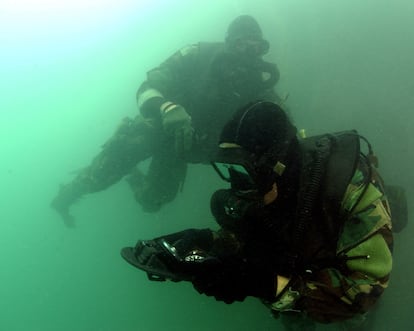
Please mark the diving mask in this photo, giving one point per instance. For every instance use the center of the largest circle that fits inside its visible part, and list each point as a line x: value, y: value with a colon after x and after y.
x: 240, y: 168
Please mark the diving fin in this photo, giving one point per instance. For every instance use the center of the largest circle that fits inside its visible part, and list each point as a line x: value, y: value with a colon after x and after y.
x: 156, y: 260
x: 399, y: 208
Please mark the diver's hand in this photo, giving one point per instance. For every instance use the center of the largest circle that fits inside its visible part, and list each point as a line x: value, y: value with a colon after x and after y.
x: 234, y: 280
x: 222, y: 283
x: 177, y: 123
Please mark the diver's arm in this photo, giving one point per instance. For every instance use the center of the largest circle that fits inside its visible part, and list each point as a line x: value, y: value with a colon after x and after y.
x: 165, y: 82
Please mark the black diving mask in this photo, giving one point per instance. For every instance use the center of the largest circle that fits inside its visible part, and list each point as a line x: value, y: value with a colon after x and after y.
x: 240, y: 168
x: 235, y: 166
x: 236, y: 174
x: 250, y: 46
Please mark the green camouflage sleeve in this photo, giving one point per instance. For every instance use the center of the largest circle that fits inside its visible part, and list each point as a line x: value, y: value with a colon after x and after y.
x: 334, y: 294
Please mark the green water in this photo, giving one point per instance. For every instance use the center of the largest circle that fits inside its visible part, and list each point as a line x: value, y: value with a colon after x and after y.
x: 69, y: 71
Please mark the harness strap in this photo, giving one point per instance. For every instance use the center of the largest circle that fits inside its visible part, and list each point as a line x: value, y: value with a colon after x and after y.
x: 328, y: 164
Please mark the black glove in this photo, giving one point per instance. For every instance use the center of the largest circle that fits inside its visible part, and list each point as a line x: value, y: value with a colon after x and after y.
x: 234, y: 281
x: 177, y: 123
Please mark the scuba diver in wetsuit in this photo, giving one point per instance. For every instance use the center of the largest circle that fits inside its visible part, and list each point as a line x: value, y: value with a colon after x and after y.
x: 305, y: 226
x: 183, y: 103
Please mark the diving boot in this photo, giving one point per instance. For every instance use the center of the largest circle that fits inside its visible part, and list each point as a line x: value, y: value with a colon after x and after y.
x: 142, y: 192
x: 67, y: 195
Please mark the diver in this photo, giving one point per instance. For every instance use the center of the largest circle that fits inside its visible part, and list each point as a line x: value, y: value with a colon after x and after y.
x: 183, y: 105
x: 305, y: 225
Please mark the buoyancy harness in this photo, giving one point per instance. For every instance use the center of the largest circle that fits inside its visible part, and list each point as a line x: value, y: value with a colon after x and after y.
x: 328, y: 164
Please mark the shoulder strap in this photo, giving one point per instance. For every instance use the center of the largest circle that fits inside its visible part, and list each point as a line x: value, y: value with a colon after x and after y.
x: 314, y: 151
x: 328, y: 164
x: 341, y: 166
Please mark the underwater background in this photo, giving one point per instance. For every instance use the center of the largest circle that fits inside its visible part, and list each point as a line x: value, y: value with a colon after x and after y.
x: 69, y: 71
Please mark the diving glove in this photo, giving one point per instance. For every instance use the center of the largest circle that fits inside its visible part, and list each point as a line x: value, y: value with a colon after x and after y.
x: 177, y: 124
x: 234, y: 280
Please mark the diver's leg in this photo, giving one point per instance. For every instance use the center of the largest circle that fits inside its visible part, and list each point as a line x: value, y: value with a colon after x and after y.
x: 360, y: 322
x: 132, y: 142
x: 165, y: 176
x: 294, y: 321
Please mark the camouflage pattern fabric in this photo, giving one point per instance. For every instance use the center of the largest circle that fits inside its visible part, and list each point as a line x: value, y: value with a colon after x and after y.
x: 336, y: 294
